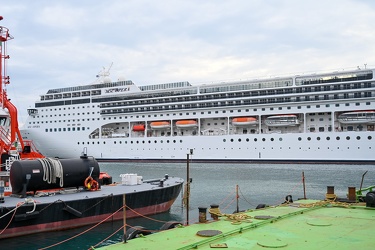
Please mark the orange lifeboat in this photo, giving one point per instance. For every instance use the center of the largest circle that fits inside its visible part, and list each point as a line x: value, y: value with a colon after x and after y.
x: 186, y: 124
x: 160, y: 125
x: 139, y: 127
x: 244, y: 121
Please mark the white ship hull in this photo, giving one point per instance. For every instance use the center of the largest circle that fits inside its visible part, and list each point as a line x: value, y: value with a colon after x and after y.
x: 103, y: 127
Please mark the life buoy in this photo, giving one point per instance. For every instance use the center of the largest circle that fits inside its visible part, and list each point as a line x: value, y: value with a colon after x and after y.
x: 88, y: 182
x: 94, y: 185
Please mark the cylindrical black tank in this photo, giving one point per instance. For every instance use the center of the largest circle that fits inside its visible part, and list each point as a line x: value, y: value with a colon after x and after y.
x: 75, y: 171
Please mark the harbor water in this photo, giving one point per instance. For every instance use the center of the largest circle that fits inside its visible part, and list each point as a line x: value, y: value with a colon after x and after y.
x: 212, y: 183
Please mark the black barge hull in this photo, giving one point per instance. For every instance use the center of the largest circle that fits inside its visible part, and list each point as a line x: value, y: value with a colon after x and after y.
x: 69, y: 210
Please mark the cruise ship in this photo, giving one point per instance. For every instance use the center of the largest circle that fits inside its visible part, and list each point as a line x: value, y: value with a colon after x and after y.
x: 327, y: 117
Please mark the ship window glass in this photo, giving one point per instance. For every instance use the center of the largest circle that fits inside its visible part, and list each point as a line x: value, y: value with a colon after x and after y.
x: 309, y: 138
x: 46, y: 129
x: 358, y: 137
x: 348, y: 137
x: 321, y: 129
x: 263, y: 139
x: 68, y: 129
x: 224, y: 140
x: 299, y: 107
x: 255, y: 139
x: 328, y: 138
x: 338, y: 138
x: 369, y: 137
x: 318, y: 138
x: 312, y: 129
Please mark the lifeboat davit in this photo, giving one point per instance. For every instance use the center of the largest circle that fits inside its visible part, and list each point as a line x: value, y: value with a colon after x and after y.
x: 139, y: 127
x: 244, y: 121
x: 282, y: 120
x: 355, y: 117
x: 186, y: 124
x: 160, y: 125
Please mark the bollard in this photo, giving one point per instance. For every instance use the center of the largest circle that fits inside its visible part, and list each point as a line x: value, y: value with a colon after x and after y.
x: 215, y: 211
x: 330, y: 193
x: 202, y: 214
x: 351, y: 194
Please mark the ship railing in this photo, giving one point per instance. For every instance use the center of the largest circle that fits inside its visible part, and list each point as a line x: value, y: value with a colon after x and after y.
x: 32, y: 146
x: 4, y: 136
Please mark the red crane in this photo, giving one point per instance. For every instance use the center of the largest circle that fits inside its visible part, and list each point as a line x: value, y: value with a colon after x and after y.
x: 11, y: 142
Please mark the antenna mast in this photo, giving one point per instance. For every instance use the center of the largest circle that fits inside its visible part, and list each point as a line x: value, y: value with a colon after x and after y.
x: 4, y: 78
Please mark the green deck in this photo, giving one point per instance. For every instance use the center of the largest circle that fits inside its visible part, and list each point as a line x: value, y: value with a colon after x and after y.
x: 331, y: 226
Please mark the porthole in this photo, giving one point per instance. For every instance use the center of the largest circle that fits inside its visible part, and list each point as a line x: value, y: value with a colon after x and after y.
x: 272, y: 139
x: 358, y: 138
x: 309, y: 138
x: 280, y: 139
x: 318, y: 138
x: 231, y: 140
x: 299, y: 138
x: 369, y: 137
x: 328, y: 138
x: 239, y: 140
x: 348, y: 138
x: 255, y: 139
x: 247, y: 139
x: 263, y: 139
x: 338, y: 138
x: 224, y: 140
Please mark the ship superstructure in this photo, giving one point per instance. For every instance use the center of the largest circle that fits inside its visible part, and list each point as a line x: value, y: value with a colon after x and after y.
x: 316, y: 117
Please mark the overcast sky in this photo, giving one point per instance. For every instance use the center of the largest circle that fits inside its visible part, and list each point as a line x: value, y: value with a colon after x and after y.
x: 65, y: 43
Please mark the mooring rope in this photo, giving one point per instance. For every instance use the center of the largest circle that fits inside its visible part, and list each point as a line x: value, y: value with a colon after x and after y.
x: 52, y: 169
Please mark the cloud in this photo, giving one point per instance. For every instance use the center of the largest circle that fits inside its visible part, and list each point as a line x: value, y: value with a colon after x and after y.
x: 66, y: 43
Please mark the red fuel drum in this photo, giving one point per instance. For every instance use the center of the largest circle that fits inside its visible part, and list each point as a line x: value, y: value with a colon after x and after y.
x: 74, y: 172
